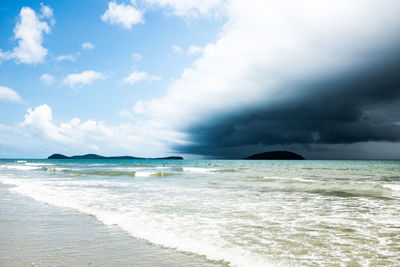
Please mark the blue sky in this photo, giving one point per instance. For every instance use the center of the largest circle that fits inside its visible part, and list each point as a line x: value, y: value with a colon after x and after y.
x: 158, y: 46
x: 112, y: 55
x: 204, y: 78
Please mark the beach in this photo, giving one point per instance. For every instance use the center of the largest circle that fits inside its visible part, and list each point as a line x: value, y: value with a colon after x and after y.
x: 199, y: 213
x: 37, y: 234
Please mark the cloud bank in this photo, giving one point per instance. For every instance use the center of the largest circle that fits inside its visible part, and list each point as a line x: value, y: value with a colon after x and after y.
x: 76, y: 136
x: 304, y: 72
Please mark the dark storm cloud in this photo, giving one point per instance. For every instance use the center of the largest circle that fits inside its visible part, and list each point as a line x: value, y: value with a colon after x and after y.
x: 360, y: 106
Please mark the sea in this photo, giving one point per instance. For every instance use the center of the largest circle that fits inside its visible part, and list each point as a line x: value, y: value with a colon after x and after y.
x: 215, y: 212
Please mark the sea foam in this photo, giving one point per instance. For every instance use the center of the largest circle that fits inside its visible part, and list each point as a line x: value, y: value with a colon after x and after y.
x: 247, y: 214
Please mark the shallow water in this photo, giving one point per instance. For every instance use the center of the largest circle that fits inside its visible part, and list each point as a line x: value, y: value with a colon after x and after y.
x: 37, y: 234
x: 245, y: 213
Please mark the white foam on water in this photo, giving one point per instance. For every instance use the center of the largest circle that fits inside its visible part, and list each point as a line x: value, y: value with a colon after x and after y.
x: 122, y: 169
x: 198, y: 169
x: 21, y: 161
x: 302, y: 180
x: 289, y: 180
x: 57, y: 169
x: 145, y: 227
x: 160, y: 230
x: 143, y: 173
x: 20, y: 167
x: 328, y: 187
x: 286, y: 218
x: 393, y: 187
x: 38, y: 164
x: 162, y: 168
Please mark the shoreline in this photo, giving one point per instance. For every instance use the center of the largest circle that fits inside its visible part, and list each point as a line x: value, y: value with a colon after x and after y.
x: 244, y: 213
x: 33, y: 233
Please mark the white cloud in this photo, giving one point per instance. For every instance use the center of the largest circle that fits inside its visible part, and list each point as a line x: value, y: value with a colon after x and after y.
x: 121, y: 14
x: 47, y: 78
x: 140, y: 138
x: 8, y: 94
x: 267, y: 47
x: 191, y: 8
x: 87, y: 46
x: 47, y: 12
x: 65, y: 57
x: 194, y: 49
x: 127, y: 15
x: 136, y: 57
x: 4, y: 55
x: 125, y: 113
x: 29, y: 31
x: 137, y: 76
x: 83, y: 78
x: 39, y: 120
x: 264, y: 50
x: 176, y: 49
x: 138, y: 108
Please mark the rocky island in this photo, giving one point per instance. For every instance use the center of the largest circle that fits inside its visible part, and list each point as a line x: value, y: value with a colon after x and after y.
x: 95, y: 156
x: 276, y: 155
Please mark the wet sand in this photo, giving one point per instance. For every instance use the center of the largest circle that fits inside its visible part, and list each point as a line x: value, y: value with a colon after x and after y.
x: 37, y: 234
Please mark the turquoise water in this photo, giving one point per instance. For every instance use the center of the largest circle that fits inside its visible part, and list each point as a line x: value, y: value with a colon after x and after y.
x: 245, y: 213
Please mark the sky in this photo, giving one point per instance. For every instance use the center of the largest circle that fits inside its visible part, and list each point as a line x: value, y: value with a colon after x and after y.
x: 202, y: 79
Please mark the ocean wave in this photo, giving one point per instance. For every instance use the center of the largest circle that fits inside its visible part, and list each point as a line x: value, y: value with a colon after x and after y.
x: 340, y: 188
x: 226, y: 170
x: 298, y: 180
x: 198, y: 169
x: 161, y: 167
x: 153, y: 174
x: 140, y: 224
x: 112, y: 173
x: 132, y: 164
x: 57, y: 169
x: 38, y: 164
x: 390, y: 178
x: 393, y: 187
x: 74, y: 175
x: 329, y: 188
x: 283, y: 180
x: 177, y: 169
x: 20, y: 167
x: 262, y: 215
x: 79, y: 172
x: 162, y: 174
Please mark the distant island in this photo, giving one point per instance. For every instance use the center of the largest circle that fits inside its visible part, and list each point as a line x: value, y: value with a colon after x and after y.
x: 276, y: 155
x: 95, y: 156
